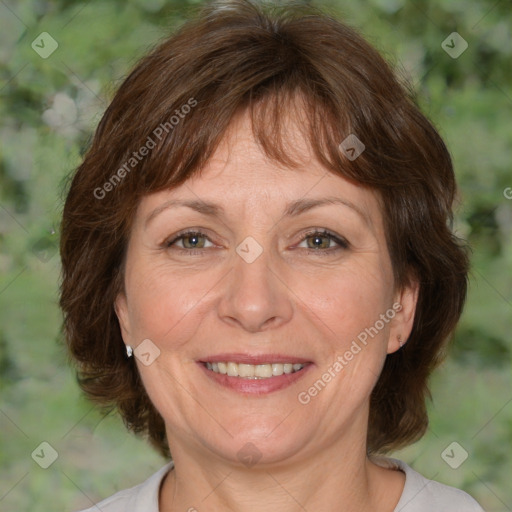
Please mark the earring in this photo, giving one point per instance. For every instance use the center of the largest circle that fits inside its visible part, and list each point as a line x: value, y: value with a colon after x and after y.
x: 129, y: 351
x: 399, y: 337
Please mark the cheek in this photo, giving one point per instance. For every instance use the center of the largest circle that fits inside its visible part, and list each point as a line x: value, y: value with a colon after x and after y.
x: 163, y: 303
x: 168, y: 305
x: 344, y: 307
x: 348, y: 299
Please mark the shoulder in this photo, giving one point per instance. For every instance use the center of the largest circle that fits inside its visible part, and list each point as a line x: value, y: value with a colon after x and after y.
x: 141, y: 498
x: 423, y: 495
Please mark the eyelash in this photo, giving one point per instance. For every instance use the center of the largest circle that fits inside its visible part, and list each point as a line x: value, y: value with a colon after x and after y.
x: 342, y: 243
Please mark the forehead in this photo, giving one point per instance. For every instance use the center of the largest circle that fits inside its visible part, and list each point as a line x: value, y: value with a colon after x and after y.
x: 239, y: 176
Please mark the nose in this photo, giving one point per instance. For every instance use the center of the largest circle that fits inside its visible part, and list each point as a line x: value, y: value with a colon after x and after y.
x: 255, y: 296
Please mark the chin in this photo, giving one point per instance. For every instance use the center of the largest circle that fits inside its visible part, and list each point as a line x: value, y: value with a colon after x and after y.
x: 267, y: 442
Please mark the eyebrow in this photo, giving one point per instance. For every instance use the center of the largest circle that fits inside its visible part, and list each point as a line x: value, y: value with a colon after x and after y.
x: 292, y: 209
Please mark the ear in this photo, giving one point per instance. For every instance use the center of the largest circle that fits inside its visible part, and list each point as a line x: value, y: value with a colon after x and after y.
x: 121, y: 309
x: 405, y: 307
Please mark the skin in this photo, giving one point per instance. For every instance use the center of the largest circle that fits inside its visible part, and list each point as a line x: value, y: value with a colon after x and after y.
x: 289, y: 301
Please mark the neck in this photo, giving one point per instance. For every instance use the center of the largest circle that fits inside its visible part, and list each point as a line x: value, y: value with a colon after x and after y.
x: 336, y: 479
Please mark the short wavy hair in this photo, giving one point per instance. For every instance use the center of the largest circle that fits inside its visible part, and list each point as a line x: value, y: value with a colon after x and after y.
x: 240, y: 56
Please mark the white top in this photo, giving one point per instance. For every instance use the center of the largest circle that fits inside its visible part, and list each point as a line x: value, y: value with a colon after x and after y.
x: 419, y: 494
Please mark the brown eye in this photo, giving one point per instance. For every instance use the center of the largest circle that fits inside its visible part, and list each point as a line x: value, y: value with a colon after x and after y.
x: 321, y: 241
x: 193, y: 241
x: 190, y: 240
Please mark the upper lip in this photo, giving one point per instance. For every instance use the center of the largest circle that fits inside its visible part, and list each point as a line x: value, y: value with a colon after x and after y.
x: 253, y: 358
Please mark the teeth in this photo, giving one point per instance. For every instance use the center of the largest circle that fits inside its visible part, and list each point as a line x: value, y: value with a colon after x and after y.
x: 232, y: 369
x: 264, y: 371
x: 246, y: 370
x: 254, y: 371
x: 277, y: 369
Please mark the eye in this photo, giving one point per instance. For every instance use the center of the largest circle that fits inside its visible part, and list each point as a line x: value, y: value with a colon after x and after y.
x: 321, y: 242
x: 190, y: 240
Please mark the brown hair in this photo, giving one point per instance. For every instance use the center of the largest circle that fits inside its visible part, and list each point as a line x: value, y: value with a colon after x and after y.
x: 232, y: 57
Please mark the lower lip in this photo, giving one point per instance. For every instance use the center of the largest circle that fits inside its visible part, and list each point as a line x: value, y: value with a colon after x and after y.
x: 256, y: 386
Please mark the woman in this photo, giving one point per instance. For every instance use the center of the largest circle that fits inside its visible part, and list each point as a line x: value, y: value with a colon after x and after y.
x: 258, y: 269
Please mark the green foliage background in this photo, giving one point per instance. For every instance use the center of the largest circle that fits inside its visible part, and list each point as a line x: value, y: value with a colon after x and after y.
x: 48, y: 110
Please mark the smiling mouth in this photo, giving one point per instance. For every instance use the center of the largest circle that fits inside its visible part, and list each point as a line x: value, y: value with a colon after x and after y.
x: 254, y: 371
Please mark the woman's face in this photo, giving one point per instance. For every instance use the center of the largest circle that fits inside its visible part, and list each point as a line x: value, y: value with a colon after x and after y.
x: 256, y: 287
